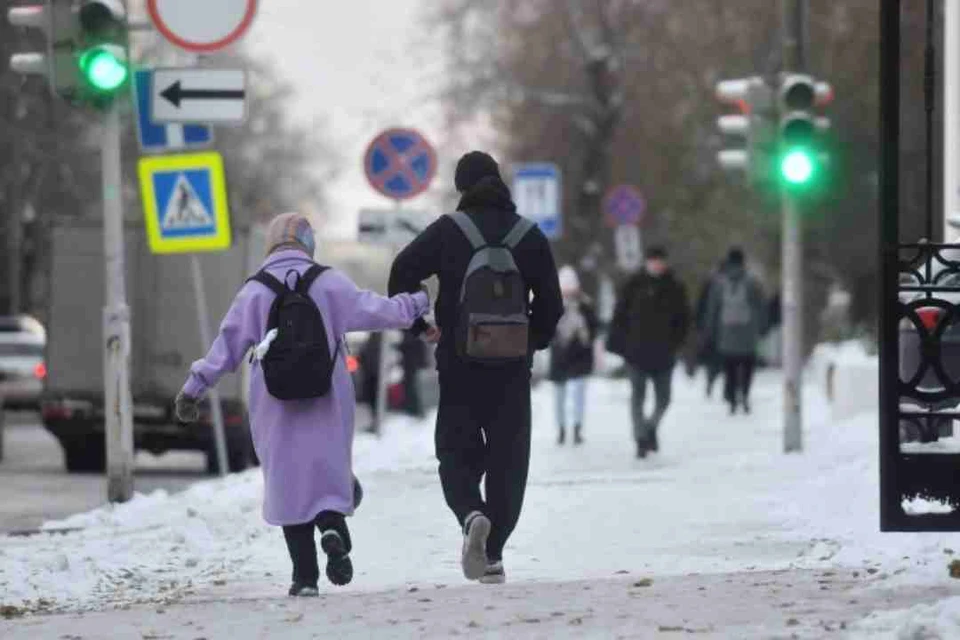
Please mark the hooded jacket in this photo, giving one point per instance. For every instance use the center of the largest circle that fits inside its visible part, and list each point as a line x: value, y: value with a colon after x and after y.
x: 443, y: 251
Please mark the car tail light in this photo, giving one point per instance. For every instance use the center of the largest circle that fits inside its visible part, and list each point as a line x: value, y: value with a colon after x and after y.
x: 353, y: 364
x: 930, y: 317
x: 40, y: 371
x: 233, y: 420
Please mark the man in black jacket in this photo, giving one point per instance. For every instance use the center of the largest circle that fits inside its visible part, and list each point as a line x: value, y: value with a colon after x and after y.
x: 648, y: 328
x: 483, y: 422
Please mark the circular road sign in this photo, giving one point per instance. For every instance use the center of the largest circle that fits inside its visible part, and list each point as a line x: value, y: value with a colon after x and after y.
x: 400, y: 163
x: 624, y: 204
x: 202, y: 26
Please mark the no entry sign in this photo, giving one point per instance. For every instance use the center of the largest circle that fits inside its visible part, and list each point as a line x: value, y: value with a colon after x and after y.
x: 400, y: 163
x: 202, y: 26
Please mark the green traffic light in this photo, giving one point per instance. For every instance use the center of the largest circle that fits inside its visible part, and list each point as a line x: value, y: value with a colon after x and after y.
x: 797, y: 167
x: 104, y: 69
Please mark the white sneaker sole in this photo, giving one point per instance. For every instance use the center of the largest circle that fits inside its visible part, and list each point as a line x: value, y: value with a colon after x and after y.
x: 474, y: 556
x: 496, y: 578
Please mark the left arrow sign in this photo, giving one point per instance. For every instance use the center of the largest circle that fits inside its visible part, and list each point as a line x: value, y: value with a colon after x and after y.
x: 176, y: 94
x: 199, y: 95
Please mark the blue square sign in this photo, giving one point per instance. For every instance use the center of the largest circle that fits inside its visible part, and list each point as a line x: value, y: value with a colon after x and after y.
x: 156, y: 137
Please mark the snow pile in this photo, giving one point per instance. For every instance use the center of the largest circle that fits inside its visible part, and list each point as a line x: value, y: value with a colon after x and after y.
x: 936, y: 621
x: 849, y: 374
x: 917, y: 506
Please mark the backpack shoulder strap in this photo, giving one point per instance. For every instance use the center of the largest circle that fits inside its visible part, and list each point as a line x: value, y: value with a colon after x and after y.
x: 469, y: 229
x: 268, y: 281
x: 518, y: 232
x: 309, y: 276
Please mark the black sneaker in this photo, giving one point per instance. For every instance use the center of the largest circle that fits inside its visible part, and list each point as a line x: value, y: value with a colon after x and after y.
x: 339, y: 566
x: 303, y: 590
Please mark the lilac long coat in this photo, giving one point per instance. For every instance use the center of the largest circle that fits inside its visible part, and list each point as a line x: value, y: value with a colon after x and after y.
x: 305, y: 446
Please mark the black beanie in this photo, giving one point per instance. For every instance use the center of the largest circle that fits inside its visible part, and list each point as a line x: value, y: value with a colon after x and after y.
x: 735, y: 257
x: 472, y: 168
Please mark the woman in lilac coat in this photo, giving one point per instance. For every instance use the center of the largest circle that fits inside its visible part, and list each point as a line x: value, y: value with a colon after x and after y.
x: 304, y: 446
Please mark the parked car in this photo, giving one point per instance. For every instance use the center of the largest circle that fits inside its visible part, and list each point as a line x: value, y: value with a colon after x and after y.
x: 911, y: 353
x: 22, y: 367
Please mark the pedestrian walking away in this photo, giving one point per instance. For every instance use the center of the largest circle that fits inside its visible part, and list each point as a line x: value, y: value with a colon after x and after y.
x: 707, y: 347
x: 295, y: 313
x: 648, y: 329
x: 489, y: 261
x: 571, y: 354
x: 737, y: 319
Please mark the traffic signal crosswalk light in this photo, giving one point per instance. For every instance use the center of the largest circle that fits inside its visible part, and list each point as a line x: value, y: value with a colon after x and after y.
x: 753, y: 125
x: 801, y: 155
x: 102, y: 52
x: 85, y: 59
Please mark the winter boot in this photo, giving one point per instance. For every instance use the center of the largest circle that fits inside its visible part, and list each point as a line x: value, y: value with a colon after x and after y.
x: 578, y: 434
x: 562, y: 438
x: 304, y: 590
x: 654, y: 443
x: 494, y: 574
x: 473, y: 557
x: 641, y: 449
x: 339, y: 565
x: 746, y: 406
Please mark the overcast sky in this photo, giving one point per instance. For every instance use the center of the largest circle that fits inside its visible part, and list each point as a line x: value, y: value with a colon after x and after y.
x: 362, y: 66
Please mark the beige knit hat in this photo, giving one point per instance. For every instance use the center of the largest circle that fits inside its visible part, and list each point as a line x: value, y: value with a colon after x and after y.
x: 291, y: 231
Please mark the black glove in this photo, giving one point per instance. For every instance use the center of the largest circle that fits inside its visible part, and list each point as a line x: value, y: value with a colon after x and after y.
x: 187, y: 408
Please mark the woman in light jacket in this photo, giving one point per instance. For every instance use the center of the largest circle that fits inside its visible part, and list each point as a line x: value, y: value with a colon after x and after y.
x: 571, y: 353
x: 304, y: 446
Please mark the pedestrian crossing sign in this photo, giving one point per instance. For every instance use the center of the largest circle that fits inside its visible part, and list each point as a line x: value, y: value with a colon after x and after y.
x: 185, y: 202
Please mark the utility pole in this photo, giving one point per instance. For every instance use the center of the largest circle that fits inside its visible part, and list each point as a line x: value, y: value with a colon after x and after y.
x: 116, y: 320
x: 951, y: 120
x: 794, y: 54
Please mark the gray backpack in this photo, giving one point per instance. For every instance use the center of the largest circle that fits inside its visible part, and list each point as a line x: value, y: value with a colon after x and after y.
x: 735, y: 309
x: 494, y: 323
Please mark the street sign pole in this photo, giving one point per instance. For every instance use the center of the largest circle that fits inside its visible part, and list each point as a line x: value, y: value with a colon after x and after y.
x: 203, y: 318
x: 117, y: 400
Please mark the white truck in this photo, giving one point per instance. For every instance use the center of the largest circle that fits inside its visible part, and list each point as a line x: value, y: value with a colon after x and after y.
x: 165, y: 340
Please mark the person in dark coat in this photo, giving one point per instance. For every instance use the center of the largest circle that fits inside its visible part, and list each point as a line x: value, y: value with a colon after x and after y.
x: 708, y: 356
x: 571, y: 354
x: 737, y: 320
x: 483, y: 419
x: 649, y: 326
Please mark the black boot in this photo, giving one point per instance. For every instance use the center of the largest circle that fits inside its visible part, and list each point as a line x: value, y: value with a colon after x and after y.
x: 562, y: 437
x: 641, y: 449
x: 577, y: 435
x: 654, y: 443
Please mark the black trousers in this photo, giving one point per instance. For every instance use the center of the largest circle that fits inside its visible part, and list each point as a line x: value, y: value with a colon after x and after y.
x: 483, y: 432
x: 738, y: 372
x: 303, y: 546
x: 644, y: 428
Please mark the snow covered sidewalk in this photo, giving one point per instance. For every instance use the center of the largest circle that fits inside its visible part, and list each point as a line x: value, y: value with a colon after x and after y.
x: 720, y: 509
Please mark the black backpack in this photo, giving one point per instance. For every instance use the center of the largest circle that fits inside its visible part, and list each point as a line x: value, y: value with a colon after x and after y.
x: 494, y: 323
x: 298, y: 365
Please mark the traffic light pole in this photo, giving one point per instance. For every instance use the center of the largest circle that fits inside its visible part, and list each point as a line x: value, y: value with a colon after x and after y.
x: 792, y: 256
x: 116, y: 321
